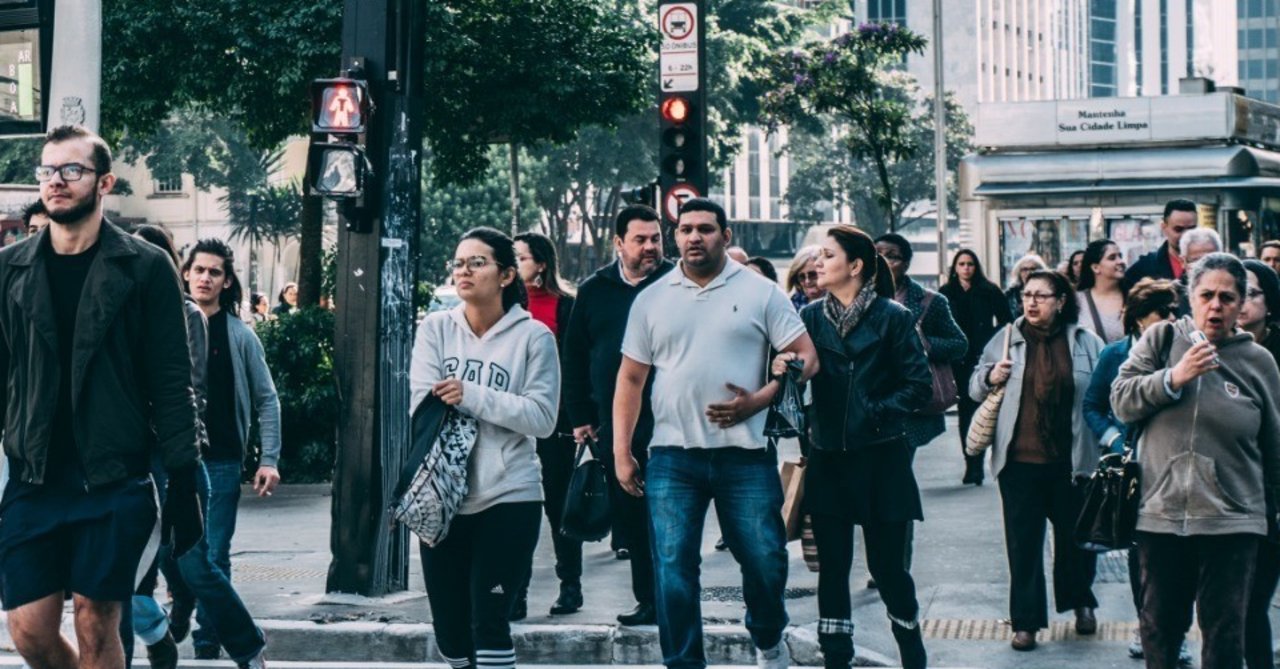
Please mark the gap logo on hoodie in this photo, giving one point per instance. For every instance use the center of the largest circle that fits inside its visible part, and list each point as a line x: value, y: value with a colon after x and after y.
x: 473, y: 371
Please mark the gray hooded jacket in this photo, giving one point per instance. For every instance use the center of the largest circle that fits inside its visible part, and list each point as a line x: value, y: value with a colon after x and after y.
x: 1210, y: 453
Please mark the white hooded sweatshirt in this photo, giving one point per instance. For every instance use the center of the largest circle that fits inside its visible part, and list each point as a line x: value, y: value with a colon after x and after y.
x: 510, y: 385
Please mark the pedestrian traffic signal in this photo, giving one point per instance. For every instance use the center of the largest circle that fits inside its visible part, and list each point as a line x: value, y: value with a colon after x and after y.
x: 337, y: 169
x: 682, y: 146
x: 340, y: 106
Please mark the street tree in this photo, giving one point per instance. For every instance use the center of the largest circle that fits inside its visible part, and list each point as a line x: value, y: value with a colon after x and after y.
x: 822, y: 178
x: 848, y: 78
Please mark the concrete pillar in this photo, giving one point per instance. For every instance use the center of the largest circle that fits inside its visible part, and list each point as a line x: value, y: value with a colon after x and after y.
x: 75, y: 82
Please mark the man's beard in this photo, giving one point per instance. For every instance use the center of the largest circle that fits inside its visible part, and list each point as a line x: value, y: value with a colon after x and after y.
x: 638, y: 267
x: 77, y: 211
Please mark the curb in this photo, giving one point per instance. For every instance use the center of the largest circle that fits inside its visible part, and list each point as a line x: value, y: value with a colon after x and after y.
x: 302, y: 641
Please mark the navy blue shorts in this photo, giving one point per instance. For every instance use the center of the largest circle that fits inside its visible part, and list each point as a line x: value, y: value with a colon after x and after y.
x: 56, y: 539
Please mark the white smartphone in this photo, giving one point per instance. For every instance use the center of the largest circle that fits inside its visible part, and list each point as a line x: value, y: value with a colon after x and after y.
x: 1196, y: 337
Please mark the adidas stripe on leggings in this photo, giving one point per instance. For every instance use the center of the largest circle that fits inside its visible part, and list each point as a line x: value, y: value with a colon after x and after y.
x: 473, y: 578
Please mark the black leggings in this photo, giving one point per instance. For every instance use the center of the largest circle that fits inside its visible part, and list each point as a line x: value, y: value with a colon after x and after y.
x: 1258, y: 653
x: 885, y: 560
x: 473, y: 578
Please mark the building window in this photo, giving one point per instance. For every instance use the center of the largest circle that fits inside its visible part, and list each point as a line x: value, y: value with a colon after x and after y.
x: 753, y: 176
x: 169, y: 185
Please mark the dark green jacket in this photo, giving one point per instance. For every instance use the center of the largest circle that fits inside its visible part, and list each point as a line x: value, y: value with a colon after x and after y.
x: 130, y: 376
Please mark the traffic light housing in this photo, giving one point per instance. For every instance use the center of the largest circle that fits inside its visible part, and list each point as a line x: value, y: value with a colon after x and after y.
x: 337, y: 167
x: 340, y: 106
x: 682, y: 146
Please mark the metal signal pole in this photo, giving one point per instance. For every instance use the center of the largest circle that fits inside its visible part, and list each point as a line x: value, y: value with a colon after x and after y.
x: 940, y: 142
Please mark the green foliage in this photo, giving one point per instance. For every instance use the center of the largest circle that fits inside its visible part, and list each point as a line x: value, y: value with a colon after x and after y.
x: 450, y: 210
x: 848, y: 79
x: 529, y: 71
x: 248, y: 60
x: 742, y: 36
x: 18, y: 159
x: 299, y: 351
x: 822, y: 178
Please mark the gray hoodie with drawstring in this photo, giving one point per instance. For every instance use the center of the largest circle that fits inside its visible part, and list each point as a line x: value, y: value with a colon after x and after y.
x: 1210, y: 453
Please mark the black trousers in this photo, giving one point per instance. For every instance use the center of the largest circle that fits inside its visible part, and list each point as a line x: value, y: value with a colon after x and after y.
x: 1031, y: 494
x: 1213, y: 573
x: 966, y: 408
x: 630, y: 519
x: 1258, y: 653
x: 473, y: 578
x: 556, y: 455
x: 884, y: 553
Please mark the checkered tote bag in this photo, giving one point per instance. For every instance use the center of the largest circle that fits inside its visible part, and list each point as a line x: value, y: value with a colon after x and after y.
x: 433, y: 482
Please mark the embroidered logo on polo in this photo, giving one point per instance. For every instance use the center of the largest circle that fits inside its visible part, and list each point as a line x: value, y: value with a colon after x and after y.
x: 1233, y: 391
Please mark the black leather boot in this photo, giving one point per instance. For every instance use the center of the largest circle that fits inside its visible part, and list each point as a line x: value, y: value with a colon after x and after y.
x: 910, y: 646
x: 569, y: 601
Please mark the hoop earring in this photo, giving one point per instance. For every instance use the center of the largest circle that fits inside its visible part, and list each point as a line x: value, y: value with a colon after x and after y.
x: 537, y: 281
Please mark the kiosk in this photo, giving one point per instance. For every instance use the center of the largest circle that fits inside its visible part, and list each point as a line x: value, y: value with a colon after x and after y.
x: 1050, y: 176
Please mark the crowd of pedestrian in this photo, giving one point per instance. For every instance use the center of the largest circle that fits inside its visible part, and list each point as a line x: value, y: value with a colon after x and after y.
x: 133, y: 385
x: 668, y: 369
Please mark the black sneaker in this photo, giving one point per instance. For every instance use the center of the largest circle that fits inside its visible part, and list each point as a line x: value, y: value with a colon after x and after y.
x: 642, y: 614
x: 208, y: 652
x: 180, y: 612
x: 163, y: 654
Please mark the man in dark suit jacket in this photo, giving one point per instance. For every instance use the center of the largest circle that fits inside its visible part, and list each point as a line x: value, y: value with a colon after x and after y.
x: 1165, y: 262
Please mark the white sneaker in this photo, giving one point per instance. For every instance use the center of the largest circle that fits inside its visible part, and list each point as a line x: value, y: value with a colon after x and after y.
x: 1135, y: 646
x: 1184, y: 655
x: 778, y: 657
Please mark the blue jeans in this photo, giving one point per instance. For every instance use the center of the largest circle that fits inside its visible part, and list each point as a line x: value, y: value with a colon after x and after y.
x: 206, y: 569
x: 744, y: 483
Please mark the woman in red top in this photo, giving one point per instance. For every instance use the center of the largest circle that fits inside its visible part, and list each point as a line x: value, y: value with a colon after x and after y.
x: 550, y: 303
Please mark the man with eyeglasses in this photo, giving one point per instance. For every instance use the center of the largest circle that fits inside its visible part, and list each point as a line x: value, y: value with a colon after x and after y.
x: 1165, y: 262
x: 99, y: 386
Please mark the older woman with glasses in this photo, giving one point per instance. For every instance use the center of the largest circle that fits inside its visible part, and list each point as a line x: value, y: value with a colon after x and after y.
x: 1042, y: 450
x: 1210, y: 457
x: 802, y: 277
x: 1021, y: 270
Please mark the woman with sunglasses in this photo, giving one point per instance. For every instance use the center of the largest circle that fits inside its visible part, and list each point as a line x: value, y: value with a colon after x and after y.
x: 802, y: 277
x: 1042, y: 451
x: 492, y: 361
x: 1150, y: 301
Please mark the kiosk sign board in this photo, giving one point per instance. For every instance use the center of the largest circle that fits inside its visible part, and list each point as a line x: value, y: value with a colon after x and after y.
x: 1112, y: 122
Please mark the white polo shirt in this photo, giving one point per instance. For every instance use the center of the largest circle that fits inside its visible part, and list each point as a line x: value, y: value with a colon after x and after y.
x: 697, y: 340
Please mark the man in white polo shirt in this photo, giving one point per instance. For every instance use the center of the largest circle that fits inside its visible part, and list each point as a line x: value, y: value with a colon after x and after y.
x: 706, y: 329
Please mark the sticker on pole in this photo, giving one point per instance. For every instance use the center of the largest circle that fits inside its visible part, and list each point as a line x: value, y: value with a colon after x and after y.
x: 676, y: 197
x: 678, y: 64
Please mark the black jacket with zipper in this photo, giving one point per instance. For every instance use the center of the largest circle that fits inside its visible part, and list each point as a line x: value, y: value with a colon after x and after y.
x: 130, y: 366
x: 869, y: 380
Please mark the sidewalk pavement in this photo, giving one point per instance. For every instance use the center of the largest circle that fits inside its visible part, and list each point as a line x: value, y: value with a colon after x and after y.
x: 280, y: 559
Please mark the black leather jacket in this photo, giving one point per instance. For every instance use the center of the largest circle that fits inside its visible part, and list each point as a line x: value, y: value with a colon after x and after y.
x: 130, y: 365
x: 869, y: 380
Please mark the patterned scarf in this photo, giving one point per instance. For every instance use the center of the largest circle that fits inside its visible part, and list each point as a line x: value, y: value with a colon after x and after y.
x: 846, y: 318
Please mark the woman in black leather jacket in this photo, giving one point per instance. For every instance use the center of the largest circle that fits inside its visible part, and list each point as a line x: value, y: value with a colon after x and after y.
x: 873, y: 374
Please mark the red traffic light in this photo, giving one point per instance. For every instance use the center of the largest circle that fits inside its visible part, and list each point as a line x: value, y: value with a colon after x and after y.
x: 675, y: 109
x: 339, y: 106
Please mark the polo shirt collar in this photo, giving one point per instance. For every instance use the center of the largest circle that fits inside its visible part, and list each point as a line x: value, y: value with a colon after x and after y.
x: 731, y: 267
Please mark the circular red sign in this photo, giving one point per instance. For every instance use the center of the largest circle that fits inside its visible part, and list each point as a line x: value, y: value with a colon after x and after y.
x: 677, y: 23
x: 676, y: 197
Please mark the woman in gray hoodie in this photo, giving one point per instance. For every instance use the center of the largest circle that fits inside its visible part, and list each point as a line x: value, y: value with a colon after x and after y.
x: 495, y: 363
x: 1210, y: 456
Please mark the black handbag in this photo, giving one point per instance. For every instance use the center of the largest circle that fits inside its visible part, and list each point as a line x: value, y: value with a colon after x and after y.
x: 1109, y: 518
x: 586, y: 515
x: 786, y: 418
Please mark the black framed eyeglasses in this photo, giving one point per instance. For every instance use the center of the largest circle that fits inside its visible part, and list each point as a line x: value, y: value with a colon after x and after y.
x: 68, y: 172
